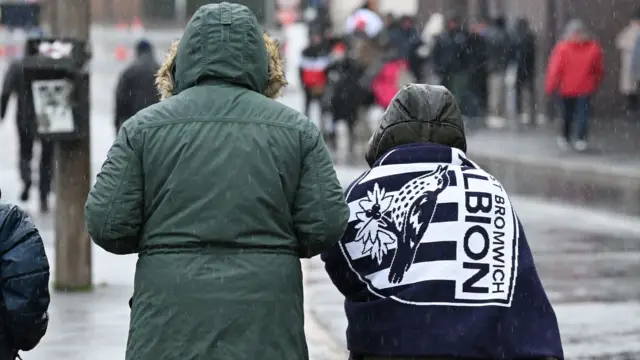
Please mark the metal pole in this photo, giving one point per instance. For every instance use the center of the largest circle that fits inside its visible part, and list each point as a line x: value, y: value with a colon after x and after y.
x: 73, y: 173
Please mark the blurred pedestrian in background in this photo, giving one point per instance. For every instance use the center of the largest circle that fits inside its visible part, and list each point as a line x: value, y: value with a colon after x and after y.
x: 575, y: 71
x: 318, y: 18
x: 475, y: 103
x: 14, y: 84
x: 409, y: 46
x: 365, y: 18
x: 389, y: 73
x: 24, y: 271
x: 313, y: 64
x: 389, y: 19
x: 626, y: 43
x: 136, y: 87
x: 451, y: 57
x: 498, y: 44
x: 523, y: 56
x: 344, y: 95
x: 480, y: 81
x: 434, y: 27
x: 221, y: 190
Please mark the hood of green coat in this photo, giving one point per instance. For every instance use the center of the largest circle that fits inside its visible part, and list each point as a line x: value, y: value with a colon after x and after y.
x: 223, y: 42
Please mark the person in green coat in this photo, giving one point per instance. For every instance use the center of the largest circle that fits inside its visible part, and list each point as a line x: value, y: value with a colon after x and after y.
x: 220, y: 190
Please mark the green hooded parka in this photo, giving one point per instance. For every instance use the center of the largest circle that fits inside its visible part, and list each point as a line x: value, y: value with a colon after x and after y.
x: 220, y: 190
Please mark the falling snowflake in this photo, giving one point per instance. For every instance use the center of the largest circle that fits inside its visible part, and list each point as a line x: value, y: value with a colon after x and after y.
x: 374, y: 219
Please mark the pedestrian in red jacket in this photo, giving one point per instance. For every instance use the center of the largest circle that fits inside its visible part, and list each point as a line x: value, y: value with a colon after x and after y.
x: 313, y: 63
x: 575, y: 70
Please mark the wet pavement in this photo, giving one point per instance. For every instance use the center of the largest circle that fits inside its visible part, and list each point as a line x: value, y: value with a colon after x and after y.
x: 589, y: 262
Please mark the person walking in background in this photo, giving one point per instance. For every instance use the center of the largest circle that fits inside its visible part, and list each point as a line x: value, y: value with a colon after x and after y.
x: 480, y: 81
x: 313, y: 64
x: 523, y: 54
x: 344, y: 95
x: 136, y: 88
x: 477, y: 95
x: 432, y: 30
x: 14, y: 84
x: 320, y: 21
x: 390, y: 72
x: 498, y: 44
x: 405, y: 37
x: 452, y: 59
x: 220, y: 190
x: 414, y: 287
x: 575, y: 71
x: 24, y: 271
x: 626, y: 43
x: 389, y: 19
x: 365, y: 19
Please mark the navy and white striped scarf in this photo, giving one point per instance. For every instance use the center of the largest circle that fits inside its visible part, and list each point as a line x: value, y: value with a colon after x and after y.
x: 434, y: 262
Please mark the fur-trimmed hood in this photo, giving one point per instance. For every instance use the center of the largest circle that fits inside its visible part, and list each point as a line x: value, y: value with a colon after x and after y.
x: 234, y: 57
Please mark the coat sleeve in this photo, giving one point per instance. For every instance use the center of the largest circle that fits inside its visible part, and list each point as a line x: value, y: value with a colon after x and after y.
x: 9, y: 86
x: 554, y: 71
x: 320, y: 213
x: 342, y: 276
x: 25, y: 277
x: 122, y: 99
x: 113, y: 211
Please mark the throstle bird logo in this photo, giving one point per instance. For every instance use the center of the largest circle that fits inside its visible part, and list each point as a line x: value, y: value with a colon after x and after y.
x: 399, y: 220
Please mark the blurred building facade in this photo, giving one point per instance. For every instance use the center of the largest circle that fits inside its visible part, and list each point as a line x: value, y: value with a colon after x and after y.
x: 163, y: 11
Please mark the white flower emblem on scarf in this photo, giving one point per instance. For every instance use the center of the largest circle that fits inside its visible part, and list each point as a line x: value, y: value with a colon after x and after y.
x: 374, y: 219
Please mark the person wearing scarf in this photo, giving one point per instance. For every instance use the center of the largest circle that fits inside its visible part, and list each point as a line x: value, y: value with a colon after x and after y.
x: 434, y: 263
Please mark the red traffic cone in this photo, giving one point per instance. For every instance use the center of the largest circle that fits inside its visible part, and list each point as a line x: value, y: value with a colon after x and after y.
x: 136, y: 24
x: 122, y: 53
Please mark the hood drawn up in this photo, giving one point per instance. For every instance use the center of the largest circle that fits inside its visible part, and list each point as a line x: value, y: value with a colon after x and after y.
x: 221, y: 42
x: 418, y: 114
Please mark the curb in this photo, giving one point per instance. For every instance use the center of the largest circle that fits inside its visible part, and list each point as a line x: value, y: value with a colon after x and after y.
x: 613, y: 188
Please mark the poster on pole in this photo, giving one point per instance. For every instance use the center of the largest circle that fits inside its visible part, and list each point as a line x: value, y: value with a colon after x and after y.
x: 52, y: 105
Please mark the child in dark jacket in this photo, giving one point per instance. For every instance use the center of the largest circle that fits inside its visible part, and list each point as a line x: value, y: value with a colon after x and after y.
x: 434, y: 263
x: 24, y: 271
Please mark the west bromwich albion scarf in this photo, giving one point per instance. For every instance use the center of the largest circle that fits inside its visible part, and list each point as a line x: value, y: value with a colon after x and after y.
x: 434, y: 262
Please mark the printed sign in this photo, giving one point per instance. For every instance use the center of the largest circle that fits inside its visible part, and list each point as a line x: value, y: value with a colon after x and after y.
x: 51, y: 100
